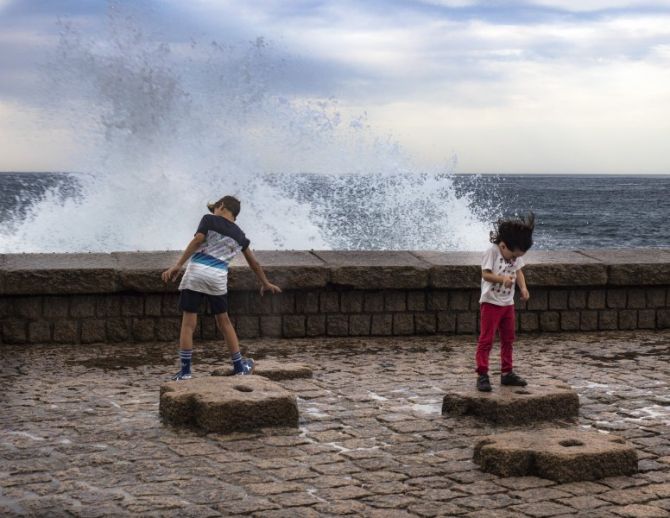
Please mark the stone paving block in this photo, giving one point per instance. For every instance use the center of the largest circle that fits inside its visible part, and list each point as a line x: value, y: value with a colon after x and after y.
x: 359, y: 325
x: 337, y: 325
x: 316, y: 325
x: 560, y: 454
x: 293, y: 326
x: 271, y: 326
x: 228, y: 404
x: 39, y: 332
x: 273, y: 370
x: 446, y: 322
x: 539, y: 401
x: 307, y: 302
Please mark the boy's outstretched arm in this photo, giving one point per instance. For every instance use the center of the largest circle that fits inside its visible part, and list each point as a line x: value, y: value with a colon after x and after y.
x: 258, y: 270
x: 171, y: 273
x: 521, y: 282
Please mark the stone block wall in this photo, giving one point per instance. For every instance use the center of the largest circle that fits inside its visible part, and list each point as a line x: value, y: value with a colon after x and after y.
x: 119, y: 297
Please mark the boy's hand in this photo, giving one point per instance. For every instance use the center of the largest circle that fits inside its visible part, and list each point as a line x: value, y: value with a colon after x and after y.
x: 170, y: 274
x: 508, y: 281
x: 524, y: 294
x: 272, y: 288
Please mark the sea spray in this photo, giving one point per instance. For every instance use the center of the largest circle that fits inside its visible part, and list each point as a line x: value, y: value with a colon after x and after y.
x: 161, y: 129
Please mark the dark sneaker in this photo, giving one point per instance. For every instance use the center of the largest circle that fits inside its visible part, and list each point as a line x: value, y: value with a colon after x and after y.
x: 181, y: 376
x: 247, y: 367
x: 512, y: 379
x: 483, y: 383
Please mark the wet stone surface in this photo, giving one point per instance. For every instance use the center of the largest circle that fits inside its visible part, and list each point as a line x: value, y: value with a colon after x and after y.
x: 561, y: 454
x: 272, y: 370
x: 545, y: 400
x: 80, y: 432
x: 227, y: 404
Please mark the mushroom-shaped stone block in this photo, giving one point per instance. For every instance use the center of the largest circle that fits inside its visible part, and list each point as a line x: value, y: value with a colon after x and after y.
x: 272, y: 370
x: 514, y: 405
x: 228, y: 404
x: 562, y: 454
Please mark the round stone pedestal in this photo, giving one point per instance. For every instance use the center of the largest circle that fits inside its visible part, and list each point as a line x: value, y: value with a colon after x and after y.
x: 514, y: 405
x: 563, y: 455
x: 272, y: 370
x: 228, y: 404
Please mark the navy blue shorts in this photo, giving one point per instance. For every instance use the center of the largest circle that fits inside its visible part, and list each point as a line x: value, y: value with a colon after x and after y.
x: 190, y: 301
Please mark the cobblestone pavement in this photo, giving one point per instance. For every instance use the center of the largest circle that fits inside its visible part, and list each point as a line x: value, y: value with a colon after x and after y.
x: 80, y: 433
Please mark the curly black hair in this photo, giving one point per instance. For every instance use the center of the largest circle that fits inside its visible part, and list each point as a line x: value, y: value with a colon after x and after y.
x: 516, y: 233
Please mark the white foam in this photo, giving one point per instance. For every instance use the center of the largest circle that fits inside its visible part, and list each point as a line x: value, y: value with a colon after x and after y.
x: 163, y: 129
x: 376, y: 396
x: 25, y: 434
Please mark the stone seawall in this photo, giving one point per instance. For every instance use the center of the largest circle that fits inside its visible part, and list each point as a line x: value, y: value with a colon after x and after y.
x: 119, y: 297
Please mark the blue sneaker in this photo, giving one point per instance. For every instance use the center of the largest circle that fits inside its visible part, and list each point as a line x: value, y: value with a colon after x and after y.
x: 181, y: 376
x: 247, y: 367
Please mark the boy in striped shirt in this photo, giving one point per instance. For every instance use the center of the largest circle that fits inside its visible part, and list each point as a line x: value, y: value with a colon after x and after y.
x: 216, y: 242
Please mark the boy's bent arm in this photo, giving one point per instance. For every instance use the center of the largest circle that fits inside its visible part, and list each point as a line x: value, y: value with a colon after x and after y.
x: 191, y: 248
x: 258, y: 270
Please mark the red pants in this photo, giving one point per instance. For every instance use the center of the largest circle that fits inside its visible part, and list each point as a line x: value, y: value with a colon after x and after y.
x: 500, y: 318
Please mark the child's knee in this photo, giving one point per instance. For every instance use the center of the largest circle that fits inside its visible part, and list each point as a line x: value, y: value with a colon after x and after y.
x: 223, y: 320
x: 484, y: 345
x: 189, y: 322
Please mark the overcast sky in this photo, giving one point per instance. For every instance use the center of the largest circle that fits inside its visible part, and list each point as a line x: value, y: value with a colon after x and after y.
x: 535, y: 86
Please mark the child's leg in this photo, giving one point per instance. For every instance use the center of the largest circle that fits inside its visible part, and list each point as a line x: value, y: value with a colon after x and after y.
x: 189, y: 302
x: 507, y: 336
x: 488, y: 324
x: 230, y: 336
x: 228, y: 331
x: 188, y: 323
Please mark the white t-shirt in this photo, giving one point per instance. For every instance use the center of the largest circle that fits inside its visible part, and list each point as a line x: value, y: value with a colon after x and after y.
x: 496, y: 293
x: 207, y: 269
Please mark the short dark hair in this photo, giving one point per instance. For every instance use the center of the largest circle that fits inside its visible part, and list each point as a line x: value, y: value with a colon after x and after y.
x: 516, y: 233
x: 229, y: 202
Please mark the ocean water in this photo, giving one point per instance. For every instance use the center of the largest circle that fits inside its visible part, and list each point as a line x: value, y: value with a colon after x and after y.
x: 159, y: 130
x: 450, y: 212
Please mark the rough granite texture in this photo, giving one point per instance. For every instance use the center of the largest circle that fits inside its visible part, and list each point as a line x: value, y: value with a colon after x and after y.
x: 227, y: 404
x: 563, y: 455
x: 272, y: 370
x: 505, y: 405
x: 119, y: 297
x: 80, y: 432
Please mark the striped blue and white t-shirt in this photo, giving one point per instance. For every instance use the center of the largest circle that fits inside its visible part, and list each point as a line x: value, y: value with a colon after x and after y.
x: 207, y: 269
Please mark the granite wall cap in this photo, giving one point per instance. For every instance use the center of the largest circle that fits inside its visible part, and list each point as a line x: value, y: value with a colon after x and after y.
x: 32, y: 274
x: 288, y: 269
x: 563, y: 268
x: 2, y: 273
x: 141, y: 271
x: 372, y: 269
x: 453, y: 269
x: 642, y: 266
